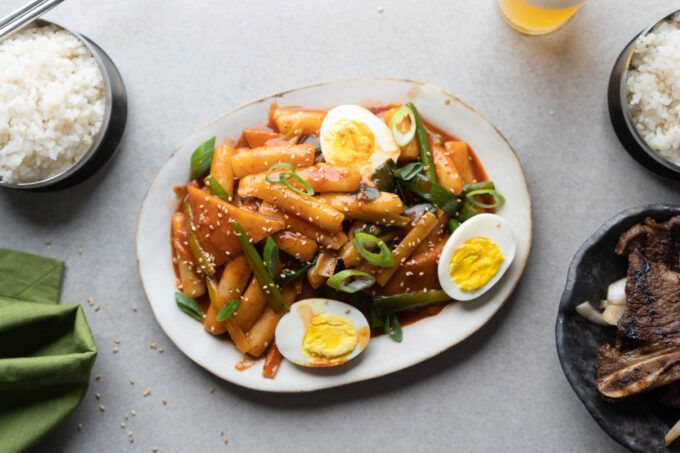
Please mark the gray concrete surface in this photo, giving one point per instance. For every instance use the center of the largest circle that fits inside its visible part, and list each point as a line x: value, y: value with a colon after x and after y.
x: 184, y: 63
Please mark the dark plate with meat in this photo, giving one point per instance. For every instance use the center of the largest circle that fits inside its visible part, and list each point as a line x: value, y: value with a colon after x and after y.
x: 638, y: 361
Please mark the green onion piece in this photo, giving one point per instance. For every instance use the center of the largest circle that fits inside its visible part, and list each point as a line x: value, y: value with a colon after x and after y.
x: 364, y: 280
x: 271, y: 291
x: 434, y: 193
x: 385, y: 305
x: 500, y: 200
x: 375, y: 319
x: 201, y: 158
x: 453, y: 225
x: 216, y: 188
x: 283, y: 179
x: 483, y: 185
x: 189, y: 306
x: 468, y: 210
x: 408, y: 172
x: 362, y: 242
x: 197, y: 251
x: 403, y: 139
x: 285, y: 165
x: 423, y: 145
x: 393, y: 328
x: 228, y: 310
x: 383, y: 176
x: 288, y: 275
x: 270, y: 255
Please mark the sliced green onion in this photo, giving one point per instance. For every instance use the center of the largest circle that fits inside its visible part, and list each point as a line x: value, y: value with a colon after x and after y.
x: 383, y: 176
x: 288, y: 275
x: 364, y: 280
x: 435, y: 194
x: 362, y: 242
x: 375, y: 319
x: 500, y: 200
x: 283, y: 179
x: 408, y: 172
x: 201, y: 158
x: 393, y: 328
x: 285, y: 165
x: 453, y: 225
x: 197, y: 251
x: 483, y: 185
x: 423, y: 145
x: 228, y: 310
x: 270, y: 255
x: 189, y: 306
x: 271, y: 291
x: 391, y: 304
x: 403, y: 139
x: 216, y: 188
x: 466, y: 211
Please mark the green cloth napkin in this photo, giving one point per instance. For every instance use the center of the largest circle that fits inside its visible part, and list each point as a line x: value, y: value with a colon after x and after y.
x: 46, y: 350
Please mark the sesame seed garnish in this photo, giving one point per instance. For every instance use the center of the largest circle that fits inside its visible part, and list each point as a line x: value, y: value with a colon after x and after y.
x: 154, y: 449
x: 90, y: 301
x: 97, y: 395
x: 134, y: 308
x: 147, y: 392
x: 98, y: 377
x: 221, y: 432
x: 126, y: 416
x: 101, y: 407
x: 96, y: 308
x: 132, y: 381
x: 122, y: 424
x: 133, y: 412
x: 80, y: 251
x: 115, y: 349
x: 48, y: 242
x: 164, y: 401
x: 212, y: 390
x: 152, y: 345
x: 225, y: 440
x: 160, y: 350
x: 80, y: 426
x: 116, y: 340
x: 132, y: 438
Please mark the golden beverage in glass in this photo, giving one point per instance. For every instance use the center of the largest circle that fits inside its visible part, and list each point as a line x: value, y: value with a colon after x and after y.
x: 538, y: 17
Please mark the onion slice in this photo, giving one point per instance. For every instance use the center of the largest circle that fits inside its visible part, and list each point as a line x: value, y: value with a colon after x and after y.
x: 590, y: 313
x: 616, y: 292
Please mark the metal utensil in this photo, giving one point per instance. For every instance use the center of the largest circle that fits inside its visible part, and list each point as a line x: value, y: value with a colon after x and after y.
x: 25, y: 15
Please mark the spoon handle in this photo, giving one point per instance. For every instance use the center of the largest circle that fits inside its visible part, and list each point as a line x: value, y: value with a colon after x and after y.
x: 25, y: 15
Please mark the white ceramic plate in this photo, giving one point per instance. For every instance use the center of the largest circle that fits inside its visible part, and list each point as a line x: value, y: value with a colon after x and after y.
x: 423, y: 339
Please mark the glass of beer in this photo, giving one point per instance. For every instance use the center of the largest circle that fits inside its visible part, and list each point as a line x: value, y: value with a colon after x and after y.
x: 538, y: 17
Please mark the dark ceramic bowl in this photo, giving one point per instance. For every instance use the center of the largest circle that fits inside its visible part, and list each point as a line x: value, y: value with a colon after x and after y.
x: 639, y: 423
x: 110, y: 134
x: 620, y: 116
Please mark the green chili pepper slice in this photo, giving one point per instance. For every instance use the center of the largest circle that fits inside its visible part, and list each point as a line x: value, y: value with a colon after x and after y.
x: 216, y: 188
x: 385, y: 305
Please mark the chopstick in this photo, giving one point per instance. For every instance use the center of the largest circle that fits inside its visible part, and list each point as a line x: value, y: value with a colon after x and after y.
x: 25, y: 15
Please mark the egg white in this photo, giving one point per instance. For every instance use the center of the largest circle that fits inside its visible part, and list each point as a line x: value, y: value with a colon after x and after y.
x: 385, y: 146
x: 290, y: 331
x: 490, y: 226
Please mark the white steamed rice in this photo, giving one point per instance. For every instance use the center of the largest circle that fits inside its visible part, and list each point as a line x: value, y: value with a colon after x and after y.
x: 51, y: 103
x: 653, y: 88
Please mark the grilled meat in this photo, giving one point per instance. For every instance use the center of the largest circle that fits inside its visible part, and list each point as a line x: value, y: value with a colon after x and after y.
x: 657, y: 242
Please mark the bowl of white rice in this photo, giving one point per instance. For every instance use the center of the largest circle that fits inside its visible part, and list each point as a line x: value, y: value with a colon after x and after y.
x: 63, y: 108
x: 644, y: 97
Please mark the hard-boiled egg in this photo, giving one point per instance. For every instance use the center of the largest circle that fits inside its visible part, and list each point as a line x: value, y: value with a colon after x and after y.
x: 352, y: 135
x: 322, y: 333
x: 476, y: 256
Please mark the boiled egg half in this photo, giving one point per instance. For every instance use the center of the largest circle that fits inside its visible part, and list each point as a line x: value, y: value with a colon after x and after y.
x: 476, y: 256
x: 353, y: 136
x: 322, y: 333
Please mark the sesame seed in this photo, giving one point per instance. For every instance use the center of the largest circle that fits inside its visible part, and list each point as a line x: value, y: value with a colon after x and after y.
x: 380, y: 9
x: 134, y: 308
x: 147, y: 392
x: 154, y: 449
x: 90, y: 301
x: 133, y: 412
x: 164, y: 401
x: 122, y: 424
x: 225, y: 440
x: 80, y: 251
x: 116, y: 340
x: 127, y: 416
x: 80, y: 425
x: 98, y: 377
x: 132, y: 438
x: 48, y: 242
x: 96, y: 308
x: 97, y: 395
x: 115, y: 349
x: 212, y: 390
x: 152, y: 345
x: 160, y: 350
x: 221, y: 432
x: 132, y: 381
x: 101, y: 407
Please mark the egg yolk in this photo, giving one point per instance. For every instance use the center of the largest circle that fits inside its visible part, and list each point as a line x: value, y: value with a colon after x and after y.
x: 474, y: 263
x: 352, y: 142
x: 329, y: 337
